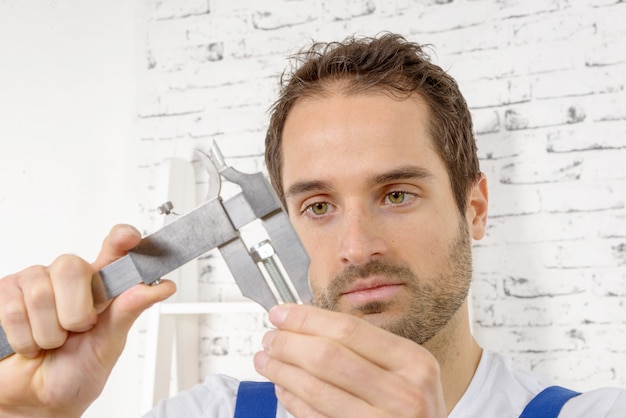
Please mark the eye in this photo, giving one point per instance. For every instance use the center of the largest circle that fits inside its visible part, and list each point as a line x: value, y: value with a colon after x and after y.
x: 318, y: 208
x: 396, y: 197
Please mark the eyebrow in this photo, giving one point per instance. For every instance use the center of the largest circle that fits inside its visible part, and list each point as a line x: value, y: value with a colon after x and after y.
x: 401, y: 173
x: 409, y: 172
x: 307, y: 186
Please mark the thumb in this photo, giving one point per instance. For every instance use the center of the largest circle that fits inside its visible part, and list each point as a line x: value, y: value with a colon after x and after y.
x: 120, y: 240
x: 115, y: 322
x: 116, y: 318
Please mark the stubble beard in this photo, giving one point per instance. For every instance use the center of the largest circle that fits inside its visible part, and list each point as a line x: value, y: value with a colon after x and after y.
x: 432, y: 302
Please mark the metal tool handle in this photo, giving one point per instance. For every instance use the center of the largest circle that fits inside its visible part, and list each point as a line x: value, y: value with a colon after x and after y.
x: 279, y: 275
x: 5, y: 348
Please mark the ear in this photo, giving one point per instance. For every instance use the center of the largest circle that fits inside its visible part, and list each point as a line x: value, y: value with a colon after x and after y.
x: 476, y: 213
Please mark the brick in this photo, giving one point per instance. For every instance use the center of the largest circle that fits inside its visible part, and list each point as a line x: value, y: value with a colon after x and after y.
x: 597, y: 136
x: 237, y: 321
x: 578, y: 82
x: 610, y: 20
x: 511, y: 313
x: 512, y: 61
x: 521, y: 8
x: 610, y: 282
x: 229, y: 7
x: 227, y: 121
x: 515, y: 200
x: 172, y: 103
x: 494, y: 258
x: 611, y: 224
x: 168, y: 9
x: 546, y: 170
x: 556, y: 284
x: 585, y: 254
x: 605, y: 107
x: 449, y: 16
x: 495, y: 146
x: 611, y: 335
x: 243, y: 145
x: 580, y: 370
x: 529, y: 339
x: 389, y: 9
x: 270, y: 43
x: 552, y: 56
x: 582, y: 197
x: 232, y: 72
x: 546, y: 113
x: 485, y: 287
x: 488, y: 93
x: 603, y: 165
x: 162, y: 128
x: 195, y: 30
x: 284, y: 14
x: 348, y: 10
x: 550, y: 27
x: 540, y: 227
x: 175, y: 57
x: 485, y: 121
x: 487, y: 36
x: 596, y: 310
x: 605, y: 52
x: 577, y: 309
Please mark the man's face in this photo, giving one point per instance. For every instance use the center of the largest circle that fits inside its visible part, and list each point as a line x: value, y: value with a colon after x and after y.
x: 371, y: 200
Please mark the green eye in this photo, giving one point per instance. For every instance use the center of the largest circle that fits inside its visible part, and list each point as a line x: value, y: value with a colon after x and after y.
x: 319, y: 208
x: 396, y: 197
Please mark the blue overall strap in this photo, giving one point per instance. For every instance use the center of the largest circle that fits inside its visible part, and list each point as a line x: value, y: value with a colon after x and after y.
x: 548, y: 403
x: 256, y: 400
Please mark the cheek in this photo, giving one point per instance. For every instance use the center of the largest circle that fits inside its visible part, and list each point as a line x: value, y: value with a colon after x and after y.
x: 319, y: 272
x: 424, y: 245
x: 316, y: 248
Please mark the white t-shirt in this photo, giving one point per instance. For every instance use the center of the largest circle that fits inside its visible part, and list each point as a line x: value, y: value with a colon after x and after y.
x: 497, y: 390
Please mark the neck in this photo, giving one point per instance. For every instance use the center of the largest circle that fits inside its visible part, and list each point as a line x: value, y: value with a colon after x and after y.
x: 458, y: 354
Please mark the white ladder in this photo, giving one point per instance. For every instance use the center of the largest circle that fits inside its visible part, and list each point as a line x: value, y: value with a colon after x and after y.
x: 172, y: 342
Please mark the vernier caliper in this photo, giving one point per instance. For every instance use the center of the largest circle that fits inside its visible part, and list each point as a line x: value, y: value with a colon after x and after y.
x: 270, y: 272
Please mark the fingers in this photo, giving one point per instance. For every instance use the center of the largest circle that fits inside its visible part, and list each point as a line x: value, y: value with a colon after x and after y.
x: 327, y: 361
x: 125, y: 309
x: 47, y: 332
x: 116, y: 321
x: 40, y: 305
x: 327, y: 370
x: 365, y: 339
x: 71, y: 281
x: 329, y: 381
x: 297, y: 407
x: 120, y: 240
x: 14, y: 317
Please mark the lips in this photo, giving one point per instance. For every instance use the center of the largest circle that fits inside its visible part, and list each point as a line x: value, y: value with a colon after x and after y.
x: 371, y: 290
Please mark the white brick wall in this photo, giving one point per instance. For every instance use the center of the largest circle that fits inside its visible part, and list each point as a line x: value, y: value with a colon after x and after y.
x: 545, y: 81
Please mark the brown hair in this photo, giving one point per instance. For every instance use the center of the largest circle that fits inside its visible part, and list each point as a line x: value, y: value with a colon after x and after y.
x: 392, y: 64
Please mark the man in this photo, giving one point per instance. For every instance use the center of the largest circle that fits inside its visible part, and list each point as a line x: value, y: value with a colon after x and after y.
x: 370, y: 147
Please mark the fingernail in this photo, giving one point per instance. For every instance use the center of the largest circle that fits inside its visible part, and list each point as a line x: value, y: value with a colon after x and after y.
x: 129, y: 230
x: 278, y: 314
x: 267, y: 340
x: 260, y: 360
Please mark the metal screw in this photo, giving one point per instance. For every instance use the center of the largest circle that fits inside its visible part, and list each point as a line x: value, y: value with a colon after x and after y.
x: 263, y: 254
x: 165, y: 208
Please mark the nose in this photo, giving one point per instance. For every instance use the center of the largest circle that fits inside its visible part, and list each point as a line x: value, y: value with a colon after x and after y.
x: 361, y: 240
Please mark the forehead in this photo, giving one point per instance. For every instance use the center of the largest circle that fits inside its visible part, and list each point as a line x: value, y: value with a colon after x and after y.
x: 347, y: 134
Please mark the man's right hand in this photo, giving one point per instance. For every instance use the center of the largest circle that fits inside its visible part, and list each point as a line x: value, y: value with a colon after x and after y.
x: 64, y: 348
